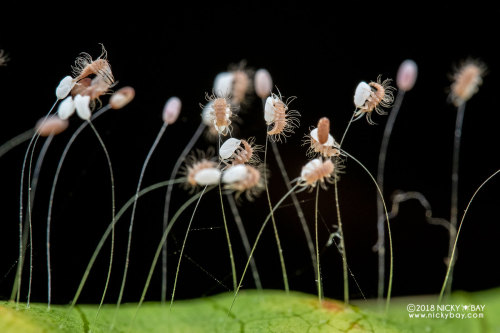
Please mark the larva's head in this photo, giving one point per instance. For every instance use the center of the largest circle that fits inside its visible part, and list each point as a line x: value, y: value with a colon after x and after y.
x: 467, y: 80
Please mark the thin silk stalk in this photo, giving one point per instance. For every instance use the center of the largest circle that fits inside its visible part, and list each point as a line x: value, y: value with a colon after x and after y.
x: 163, y: 239
x: 52, y: 193
x: 31, y: 199
x: 380, y: 180
x: 230, y: 248
x: 20, y: 264
x: 166, y: 210
x: 278, y: 243
x: 109, y: 229
x: 131, y: 225
x: 297, y: 206
x: 182, y: 249
x: 257, y: 241
x: 244, y: 239
x: 454, y: 190
x: 16, y: 141
x: 391, y: 265
x: 447, y: 278
x: 318, y: 273
x: 113, y: 213
x: 341, y: 231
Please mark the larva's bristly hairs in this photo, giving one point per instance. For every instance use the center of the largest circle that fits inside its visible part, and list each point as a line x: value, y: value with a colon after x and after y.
x: 85, y: 66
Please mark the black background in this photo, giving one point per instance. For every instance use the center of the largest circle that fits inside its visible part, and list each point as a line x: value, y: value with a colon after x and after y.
x: 317, y: 54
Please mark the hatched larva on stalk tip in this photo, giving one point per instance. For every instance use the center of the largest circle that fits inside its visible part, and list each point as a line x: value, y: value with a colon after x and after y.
x: 320, y: 171
x: 85, y: 66
x: 323, y: 130
x: 244, y: 178
x: 467, y: 80
x: 373, y: 96
x: 218, y: 113
x: 277, y: 114
x: 329, y: 147
x: 235, y: 152
x: 200, y: 169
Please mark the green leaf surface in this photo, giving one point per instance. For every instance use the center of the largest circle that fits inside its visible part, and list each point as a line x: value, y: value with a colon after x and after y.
x: 254, y: 311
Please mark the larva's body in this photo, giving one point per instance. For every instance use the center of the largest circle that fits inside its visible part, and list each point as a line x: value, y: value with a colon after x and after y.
x: 222, y: 112
x: 85, y: 66
x: 98, y: 85
x: 279, y: 118
x: 278, y: 115
x: 241, y: 85
x: 316, y: 171
x: 246, y: 154
x: 375, y: 97
x: 217, y: 114
x: 466, y: 81
x: 320, y: 141
x: 323, y: 130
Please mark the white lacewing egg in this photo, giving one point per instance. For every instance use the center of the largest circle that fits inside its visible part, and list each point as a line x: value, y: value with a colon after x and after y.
x: 228, y: 147
x: 172, y: 110
x: 263, y: 83
x: 362, y: 92
x: 223, y: 84
x: 82, y: 106
x: 234, y: 174
x: 269, y: 113
x: 64, y: 87
x: 66, y: 108
x: 208, y: 176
